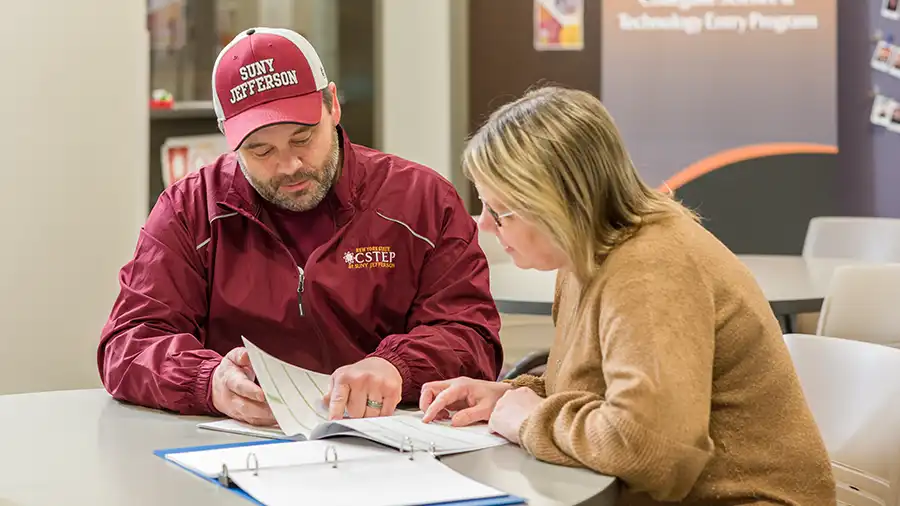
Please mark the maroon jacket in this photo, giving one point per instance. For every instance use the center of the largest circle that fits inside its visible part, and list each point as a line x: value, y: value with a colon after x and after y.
x: 403, y: 279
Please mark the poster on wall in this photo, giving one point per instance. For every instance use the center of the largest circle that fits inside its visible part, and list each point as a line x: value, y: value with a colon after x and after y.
x: 891, y: 9
x: 558, y: 25
x: 183, y: 155
x: 733, y: 105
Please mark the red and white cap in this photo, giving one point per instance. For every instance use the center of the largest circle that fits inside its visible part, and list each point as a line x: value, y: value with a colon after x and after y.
x: 263, y: 77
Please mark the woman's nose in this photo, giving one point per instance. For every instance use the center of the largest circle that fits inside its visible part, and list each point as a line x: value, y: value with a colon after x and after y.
x: 485, y: 222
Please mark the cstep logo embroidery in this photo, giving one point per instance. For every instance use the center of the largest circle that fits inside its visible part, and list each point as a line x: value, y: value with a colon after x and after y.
x: 370, y: 257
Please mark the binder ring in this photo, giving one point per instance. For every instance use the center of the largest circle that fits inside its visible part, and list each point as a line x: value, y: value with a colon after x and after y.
x: 255, y: 467
x: 330, y: 449
x: 408, y: 441
x: 432, y: 449
x: 223, y: 477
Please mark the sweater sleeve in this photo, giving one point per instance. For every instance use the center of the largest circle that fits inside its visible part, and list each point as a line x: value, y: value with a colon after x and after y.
x: 535, y: 383
x: 651, y: 428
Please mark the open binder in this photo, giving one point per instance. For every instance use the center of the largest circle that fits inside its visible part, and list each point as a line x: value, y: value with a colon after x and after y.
x: 295, y: 397
x: 278, y: 472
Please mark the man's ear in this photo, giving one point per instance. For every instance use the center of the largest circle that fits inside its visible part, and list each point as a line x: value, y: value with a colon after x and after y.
x: 336, y: 104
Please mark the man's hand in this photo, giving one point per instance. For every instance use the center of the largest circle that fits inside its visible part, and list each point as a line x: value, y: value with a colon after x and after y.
x: 511, y: 412
x: 234, y: 392
x: 370, y: 387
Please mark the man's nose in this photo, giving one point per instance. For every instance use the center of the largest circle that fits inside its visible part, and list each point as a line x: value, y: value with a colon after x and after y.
x: 289, y: 163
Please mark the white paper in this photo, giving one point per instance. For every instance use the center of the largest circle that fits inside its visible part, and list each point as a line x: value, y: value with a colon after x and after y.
x: 894, y: 68
x: 401, y: 431
x: 890, y: 9
x: 295, y: 395
x: 236, y: 427
x: 882, y: 56
x: 387, y: 481
x: 894, y: 124
x: 882, y: 107
x: 273, y: 455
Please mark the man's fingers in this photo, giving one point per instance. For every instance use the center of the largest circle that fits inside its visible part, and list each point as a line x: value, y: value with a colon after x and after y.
x: 241, y: 358
x: 477, y: 413
x: 252, y: 412
x: 356, y: 403
x: 238, y: 383
x: 391, y: 402
x: 442, y: 400
x: 378, y: 409
x: 338, y: 401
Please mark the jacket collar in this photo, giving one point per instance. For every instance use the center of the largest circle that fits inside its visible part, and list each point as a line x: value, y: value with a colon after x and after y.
x: 344, y: 193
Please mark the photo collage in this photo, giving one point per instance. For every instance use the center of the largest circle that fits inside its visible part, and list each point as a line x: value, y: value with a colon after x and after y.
x: 886, y: 58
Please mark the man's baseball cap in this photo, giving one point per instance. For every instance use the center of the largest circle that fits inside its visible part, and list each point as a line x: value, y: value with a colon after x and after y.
x: 266, y: 76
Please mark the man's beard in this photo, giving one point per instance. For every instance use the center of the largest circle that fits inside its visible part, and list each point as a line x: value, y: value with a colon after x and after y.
x: 303, y: 200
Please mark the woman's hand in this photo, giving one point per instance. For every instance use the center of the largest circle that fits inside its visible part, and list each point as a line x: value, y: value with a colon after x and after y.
x: 472, y: 400
x: 511, y: 411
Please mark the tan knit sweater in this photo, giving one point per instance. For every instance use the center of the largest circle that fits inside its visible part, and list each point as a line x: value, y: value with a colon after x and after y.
x: 676, y: 379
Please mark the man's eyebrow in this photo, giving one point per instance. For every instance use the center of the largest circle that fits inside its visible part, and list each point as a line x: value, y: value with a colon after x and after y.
x: 254, y: 145
x: 303, y: 129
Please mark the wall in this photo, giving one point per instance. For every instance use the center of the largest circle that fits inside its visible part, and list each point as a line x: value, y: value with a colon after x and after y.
x: 870, y: 156
x: 74, y: 139
x: 885, y: 145
x: 414, y: 92
x: 493, y: 77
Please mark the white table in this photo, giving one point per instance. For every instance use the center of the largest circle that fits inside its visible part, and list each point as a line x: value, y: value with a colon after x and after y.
x: 81, y: 447
x: 791, y: 284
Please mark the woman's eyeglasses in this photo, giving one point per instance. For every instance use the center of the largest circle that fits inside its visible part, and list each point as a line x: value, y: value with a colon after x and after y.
x: 494, y: 214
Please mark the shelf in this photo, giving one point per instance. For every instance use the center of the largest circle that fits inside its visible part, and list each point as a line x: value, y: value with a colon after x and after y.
x: 185, y: 110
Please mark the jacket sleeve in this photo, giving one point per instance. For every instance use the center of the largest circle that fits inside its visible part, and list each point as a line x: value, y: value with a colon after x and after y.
x: 651, y: 427
x: 150, y: 351
x: 453, y: 324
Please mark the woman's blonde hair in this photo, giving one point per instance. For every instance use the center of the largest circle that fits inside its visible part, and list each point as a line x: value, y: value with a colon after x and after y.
x: 556, y: 158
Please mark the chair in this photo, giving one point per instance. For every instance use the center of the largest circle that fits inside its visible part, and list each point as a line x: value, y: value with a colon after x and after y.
x: 859, y: 238
x: 853, y: 390
x: 863, y: 304
x: 867, y: 239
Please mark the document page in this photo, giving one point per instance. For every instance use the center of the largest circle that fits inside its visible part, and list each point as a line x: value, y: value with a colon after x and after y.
x: 401, y: 431
x: 294, y: 394
x: 236, y: 427
x: 275, y: 455
x: 381, y: 481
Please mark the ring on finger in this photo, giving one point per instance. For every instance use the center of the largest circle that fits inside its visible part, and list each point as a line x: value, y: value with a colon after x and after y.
x: 374, y: 404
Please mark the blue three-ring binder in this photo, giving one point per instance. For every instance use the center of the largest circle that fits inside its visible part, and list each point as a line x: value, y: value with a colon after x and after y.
x: 223, y: 481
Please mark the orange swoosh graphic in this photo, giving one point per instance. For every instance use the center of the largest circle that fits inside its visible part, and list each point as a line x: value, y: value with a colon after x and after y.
x: 731, y: 156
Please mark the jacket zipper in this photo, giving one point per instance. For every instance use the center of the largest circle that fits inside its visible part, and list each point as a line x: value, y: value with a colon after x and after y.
x: 302, y: 281
x: 300, y: 290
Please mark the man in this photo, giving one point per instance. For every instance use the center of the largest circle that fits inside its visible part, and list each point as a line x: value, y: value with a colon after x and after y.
x: 326, y: 254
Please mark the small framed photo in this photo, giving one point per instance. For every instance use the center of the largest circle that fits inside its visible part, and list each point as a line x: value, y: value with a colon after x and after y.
x: 883, y: 56
x: 882, y: 108
x: 894, y: 124
x: 894, y: 68
x: 890, y: 9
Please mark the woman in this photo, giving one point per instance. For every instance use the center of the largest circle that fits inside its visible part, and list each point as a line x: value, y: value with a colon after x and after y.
x: 668, y: 368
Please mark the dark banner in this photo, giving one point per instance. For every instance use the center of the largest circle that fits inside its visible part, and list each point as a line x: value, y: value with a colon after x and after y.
x: 732, y: 104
